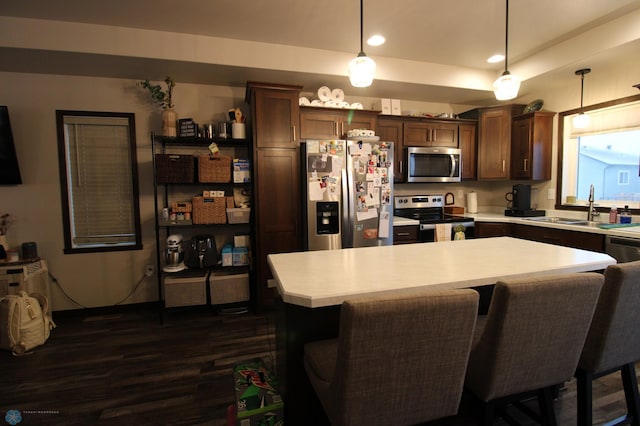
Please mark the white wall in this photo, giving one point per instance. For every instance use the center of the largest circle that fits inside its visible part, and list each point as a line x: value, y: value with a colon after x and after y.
x: 103, y: 279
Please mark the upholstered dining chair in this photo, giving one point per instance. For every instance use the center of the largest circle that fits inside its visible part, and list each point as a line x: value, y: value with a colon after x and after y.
x: 613, y: 341
x: 529, y: 342
x: 398, y: 359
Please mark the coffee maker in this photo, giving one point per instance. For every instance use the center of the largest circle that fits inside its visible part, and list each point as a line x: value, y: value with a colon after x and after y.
x: 520, y: 202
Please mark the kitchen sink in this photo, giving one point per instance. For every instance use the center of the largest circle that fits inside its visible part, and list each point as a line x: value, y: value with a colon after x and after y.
x: 564, y: 221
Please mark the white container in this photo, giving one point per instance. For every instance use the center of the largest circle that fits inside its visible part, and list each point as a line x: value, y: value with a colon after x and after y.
x: 238, y: 131
x: 238, y: 215
x: 229, y: 288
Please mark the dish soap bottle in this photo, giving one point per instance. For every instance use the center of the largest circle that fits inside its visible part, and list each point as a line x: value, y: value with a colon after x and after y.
x: 613, y: 215
x: 625, y: 216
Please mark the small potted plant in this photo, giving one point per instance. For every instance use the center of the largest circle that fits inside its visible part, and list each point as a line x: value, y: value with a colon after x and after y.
x: 164, y: 98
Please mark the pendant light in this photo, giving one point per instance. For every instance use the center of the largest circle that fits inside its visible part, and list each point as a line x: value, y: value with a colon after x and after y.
x: 361, y: 68
x: 581, y: 120
x: 507, y: 85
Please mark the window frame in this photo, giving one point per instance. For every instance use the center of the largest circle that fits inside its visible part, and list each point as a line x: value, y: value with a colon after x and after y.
x: 69, y: 247
x: 562, y: 116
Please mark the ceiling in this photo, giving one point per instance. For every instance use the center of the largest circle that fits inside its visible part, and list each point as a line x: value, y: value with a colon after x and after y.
x: 435, y: 50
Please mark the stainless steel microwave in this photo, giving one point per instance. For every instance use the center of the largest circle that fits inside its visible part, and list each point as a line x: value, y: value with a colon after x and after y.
x: 436, y: 164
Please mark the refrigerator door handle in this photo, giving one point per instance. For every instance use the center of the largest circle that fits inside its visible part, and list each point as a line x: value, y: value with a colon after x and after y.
x: 347, y: 231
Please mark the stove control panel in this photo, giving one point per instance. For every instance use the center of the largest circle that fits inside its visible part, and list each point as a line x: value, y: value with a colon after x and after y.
x: 418, y: 201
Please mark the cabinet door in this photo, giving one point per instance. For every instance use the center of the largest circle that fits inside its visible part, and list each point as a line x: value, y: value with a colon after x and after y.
x: 325, y: 124
x: 468, y: 144
x: 494, y: 144
x: 561, y: 237
x: 444, y: 134
x: 522, y: 136
x: 356, y: 119
x: 490, y: 229
x: 318, y: 124
x: 431, y: 134
x: 276, y: 117
x: 277, y: 213
x: 391, y: 130
x: 531, y: 137
x: 417, y: 134
x: 405, y: 234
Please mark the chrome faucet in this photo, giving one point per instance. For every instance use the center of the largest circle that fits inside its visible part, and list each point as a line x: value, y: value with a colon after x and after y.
x: 591, y: 212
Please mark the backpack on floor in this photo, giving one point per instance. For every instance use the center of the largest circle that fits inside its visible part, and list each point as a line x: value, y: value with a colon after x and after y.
x: 24, y: 322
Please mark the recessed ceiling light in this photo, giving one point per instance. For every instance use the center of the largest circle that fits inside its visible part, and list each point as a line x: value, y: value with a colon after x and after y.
x: 495, y: 59
x: 376, y: 40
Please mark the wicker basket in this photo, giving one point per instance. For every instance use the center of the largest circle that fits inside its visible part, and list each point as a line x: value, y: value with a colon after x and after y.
x: 214, y: 169
x: 209, y: 210
x: 174, y: 168
x: 181, y: 206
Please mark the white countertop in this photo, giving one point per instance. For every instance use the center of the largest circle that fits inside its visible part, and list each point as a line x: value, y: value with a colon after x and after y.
x: 326, y: 278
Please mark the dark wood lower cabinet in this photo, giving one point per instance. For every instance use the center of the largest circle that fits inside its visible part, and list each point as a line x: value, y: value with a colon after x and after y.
x: 278, y: 207
x: 493, y: 229
x: 405, y: 234
x: 561, y: 237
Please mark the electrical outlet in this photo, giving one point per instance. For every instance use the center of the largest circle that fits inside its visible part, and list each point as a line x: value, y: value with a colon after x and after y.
x: 551, y: 194
x: 148, y: 270
x: 460, y: 194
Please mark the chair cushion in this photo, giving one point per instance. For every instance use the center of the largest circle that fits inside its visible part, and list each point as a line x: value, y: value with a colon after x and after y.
x: 614, y: 336
x: 400, y: 358
x: 534, y: 333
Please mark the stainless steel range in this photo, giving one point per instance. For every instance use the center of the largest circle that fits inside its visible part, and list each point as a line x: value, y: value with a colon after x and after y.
x: 429, y: 211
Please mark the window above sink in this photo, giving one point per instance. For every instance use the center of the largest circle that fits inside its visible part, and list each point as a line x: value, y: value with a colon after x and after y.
x: 604, y: 154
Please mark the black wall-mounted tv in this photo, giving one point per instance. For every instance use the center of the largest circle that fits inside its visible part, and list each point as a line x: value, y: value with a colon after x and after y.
x: 9, y: 169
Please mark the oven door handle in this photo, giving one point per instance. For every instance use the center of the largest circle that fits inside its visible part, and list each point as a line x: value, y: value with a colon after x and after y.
x: 430, y: 226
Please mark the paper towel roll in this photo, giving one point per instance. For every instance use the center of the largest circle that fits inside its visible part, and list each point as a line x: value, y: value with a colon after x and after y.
x: 472, y: 202
x: 324, y: 94
x: 337, y: 95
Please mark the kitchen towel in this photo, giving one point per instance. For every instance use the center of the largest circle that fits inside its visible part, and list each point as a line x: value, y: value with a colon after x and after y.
x: 443, y: 232
x: 472, y: 202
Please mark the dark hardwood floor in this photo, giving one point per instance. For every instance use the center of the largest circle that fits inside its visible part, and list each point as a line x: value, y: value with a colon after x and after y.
x: 126, y: 368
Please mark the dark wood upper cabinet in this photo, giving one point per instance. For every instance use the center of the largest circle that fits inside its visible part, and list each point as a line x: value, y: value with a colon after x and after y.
x: 276, y: 123
x: 532, y: 136
x: 468, y: 142
x: 327, y: 123
x: 391, y: 130
x: 432, y: 133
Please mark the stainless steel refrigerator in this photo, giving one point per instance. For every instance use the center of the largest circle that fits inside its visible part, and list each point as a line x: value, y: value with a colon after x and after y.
x: 348, y: 187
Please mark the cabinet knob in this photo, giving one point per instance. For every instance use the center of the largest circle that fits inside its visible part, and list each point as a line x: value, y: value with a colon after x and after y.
x: 526, y: 165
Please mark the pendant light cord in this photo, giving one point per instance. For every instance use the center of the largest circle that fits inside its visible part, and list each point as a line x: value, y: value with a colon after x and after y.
x: 581, y: 91
x: 362, y: 25
x: 506, y: 39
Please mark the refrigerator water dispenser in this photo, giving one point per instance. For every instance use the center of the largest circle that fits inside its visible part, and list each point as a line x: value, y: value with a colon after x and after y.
x: 327, y: 218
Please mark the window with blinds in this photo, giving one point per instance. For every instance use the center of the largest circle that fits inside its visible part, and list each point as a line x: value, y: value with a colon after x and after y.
x: 99, y: 184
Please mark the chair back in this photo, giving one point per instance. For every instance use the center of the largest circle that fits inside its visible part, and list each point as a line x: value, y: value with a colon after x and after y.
x: 401, y: 360
x: 534, y: 332
x: 614, y: 337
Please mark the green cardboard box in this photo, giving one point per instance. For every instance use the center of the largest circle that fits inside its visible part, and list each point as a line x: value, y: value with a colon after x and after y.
x: 258, y: 401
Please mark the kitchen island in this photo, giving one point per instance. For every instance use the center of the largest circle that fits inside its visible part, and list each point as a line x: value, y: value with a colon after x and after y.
x: 313, y: 285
